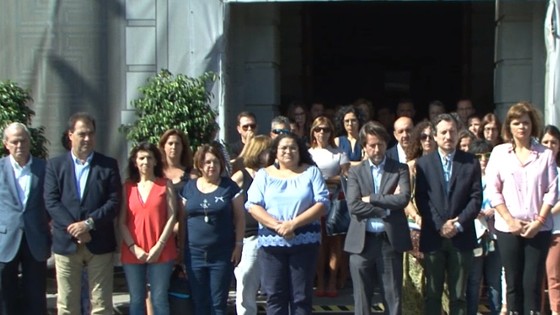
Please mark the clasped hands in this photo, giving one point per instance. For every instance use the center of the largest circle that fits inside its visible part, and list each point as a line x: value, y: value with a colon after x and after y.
x: 150, y: 257
x: 285, y: 229
x: 524, y: 228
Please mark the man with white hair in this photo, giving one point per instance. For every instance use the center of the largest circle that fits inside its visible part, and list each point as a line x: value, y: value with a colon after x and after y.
x: 25, y: 239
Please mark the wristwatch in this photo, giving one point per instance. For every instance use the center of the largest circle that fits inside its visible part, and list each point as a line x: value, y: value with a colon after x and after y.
x: 90, y: 224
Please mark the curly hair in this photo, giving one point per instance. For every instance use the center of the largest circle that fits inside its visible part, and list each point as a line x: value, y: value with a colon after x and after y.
x: 304, y: 155
x: 339, y: 118
x: 133, y: 173
x: 414, y: 149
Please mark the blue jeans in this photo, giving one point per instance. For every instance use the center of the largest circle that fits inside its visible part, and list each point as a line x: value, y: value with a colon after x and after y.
x: 157, y: 275
x: 488, y: 267
x: 209, y: 273
x: 287, y: 278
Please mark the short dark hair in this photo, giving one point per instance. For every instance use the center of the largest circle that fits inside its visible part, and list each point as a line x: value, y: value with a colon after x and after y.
x: 80, y: 116
x: 443, y: 117
x: 480, y: 146
x: 133, y: 173
x: 245, y: 114
x: 553, y: 131
x: 304, y: 155
x: 212, y: 149
x: 373, y: 128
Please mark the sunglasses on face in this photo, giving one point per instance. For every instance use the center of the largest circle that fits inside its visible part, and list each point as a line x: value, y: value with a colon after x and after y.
x: 424, y: 137
x: 483, y: 156
x: 323, y: 129
x: 280, y: 131
x: 246, y: 127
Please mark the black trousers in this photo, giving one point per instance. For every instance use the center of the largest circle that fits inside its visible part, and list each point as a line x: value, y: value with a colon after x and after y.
x: 524, y: 264
x: 29, y: 296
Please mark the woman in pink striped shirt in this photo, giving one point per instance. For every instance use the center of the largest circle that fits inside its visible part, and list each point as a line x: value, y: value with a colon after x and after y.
x: 525, y: 172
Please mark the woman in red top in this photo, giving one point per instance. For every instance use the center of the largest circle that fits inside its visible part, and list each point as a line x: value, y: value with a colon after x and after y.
x: 146, y: 223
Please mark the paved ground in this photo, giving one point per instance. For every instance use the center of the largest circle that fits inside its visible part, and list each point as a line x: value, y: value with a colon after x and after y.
x: 342, y: 304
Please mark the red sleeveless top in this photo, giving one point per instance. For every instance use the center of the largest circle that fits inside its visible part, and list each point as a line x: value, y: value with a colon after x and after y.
x: 146, y: 221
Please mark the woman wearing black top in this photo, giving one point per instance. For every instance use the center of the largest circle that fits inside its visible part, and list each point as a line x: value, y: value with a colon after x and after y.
x: 247, y: 272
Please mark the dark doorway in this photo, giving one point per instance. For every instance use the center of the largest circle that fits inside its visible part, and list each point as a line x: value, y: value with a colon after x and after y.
x: 385, y: 51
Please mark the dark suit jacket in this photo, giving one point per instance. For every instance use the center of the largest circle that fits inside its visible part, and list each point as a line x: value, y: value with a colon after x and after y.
x: 101, y: 201
x: 33, y: 216
x: 360, y: 183
x: 436, y: 206
x: 393, y: 153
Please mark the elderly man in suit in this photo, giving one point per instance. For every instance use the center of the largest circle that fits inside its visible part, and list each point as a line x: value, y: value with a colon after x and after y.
x: 83, y: 194
x: 24, y: 229
x: 378, y: 192
x: 402, y: 130
x: 448, y: 196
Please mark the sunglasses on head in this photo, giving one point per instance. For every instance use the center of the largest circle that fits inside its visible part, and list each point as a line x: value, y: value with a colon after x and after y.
x: 481, y: 156
x: 323, y: 129
x: 246, y: 127
x: 280, y: 131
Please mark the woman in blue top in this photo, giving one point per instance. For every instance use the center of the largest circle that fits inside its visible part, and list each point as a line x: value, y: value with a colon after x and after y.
x: 215, y: 224
x: 349, y: 120
x: 288, y: 199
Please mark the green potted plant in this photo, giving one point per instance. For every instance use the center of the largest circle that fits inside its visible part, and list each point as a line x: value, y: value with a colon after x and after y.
x: 173, y: 101
x: 14, y: 102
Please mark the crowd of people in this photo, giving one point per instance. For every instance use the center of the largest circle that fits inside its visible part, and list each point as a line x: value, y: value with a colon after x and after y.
x: 437, y: 208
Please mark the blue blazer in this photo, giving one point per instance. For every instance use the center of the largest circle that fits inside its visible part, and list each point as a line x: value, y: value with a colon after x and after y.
x: 101, y: 201
x: 15, y: 219
x: 436, y: 206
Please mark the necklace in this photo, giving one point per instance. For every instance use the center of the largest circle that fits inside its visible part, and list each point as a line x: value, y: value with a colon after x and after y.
x: 204, y: 206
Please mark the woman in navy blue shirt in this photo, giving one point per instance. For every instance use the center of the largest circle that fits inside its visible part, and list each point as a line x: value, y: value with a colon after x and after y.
x: 214, y: 220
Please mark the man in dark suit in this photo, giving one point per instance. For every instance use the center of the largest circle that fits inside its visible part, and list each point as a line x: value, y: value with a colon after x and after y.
x: 83, y: 194
x: 25, y: 239
x: 402, y: 130
x: 448, y: 196
x: 378, y: 191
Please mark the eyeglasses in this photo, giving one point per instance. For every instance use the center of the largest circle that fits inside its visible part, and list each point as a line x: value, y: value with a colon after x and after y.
x: 424, y: 137
x: 280, y: 131
x: 483, y: 156
x: 246, y: 127
x: 323, y: 129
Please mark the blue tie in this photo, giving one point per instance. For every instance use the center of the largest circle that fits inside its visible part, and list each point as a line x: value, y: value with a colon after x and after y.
x: 447, y: 172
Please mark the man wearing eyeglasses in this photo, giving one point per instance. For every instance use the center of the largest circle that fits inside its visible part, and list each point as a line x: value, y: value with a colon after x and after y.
x: 247, y: 128
x: 279, y: 125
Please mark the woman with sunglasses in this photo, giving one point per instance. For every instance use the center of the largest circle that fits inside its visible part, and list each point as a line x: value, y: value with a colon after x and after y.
x: 333, y: 163
x: 348, y: 121
x: 522, y: 187
x: 486, y: 262
x: 551, y: 140
x: 421, y: 143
